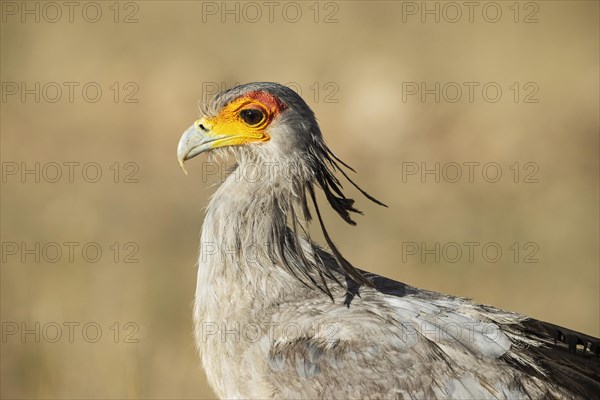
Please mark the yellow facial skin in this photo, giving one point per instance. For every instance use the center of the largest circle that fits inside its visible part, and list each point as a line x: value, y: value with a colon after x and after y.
x: 233, y: 128
x: 244, y: 120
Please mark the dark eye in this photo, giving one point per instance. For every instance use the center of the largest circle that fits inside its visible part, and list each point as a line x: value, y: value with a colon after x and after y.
x: 252, y: 116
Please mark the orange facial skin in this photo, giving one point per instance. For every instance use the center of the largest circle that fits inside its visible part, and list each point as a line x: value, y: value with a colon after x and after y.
x: 233, y: 129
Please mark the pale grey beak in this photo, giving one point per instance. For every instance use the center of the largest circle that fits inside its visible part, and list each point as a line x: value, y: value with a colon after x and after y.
x: 193, y: 142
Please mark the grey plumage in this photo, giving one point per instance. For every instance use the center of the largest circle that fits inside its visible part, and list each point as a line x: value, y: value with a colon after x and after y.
x: 278, y: 316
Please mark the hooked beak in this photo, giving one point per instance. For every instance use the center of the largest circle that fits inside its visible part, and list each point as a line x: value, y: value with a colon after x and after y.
x: 203, y: 136
x: 195, y: 140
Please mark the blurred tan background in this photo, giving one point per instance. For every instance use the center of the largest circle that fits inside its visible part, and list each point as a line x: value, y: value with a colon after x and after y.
x: 355, y: 64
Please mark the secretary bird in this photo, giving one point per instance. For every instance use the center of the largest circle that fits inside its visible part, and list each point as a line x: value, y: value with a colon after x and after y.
x: 278, y: 316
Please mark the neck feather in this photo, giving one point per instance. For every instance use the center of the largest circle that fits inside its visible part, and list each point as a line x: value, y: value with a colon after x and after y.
x: 257, y: 222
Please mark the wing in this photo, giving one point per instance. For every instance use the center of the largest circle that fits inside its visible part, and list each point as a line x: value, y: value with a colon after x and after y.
x: 569, y: 358
x: 396, y: 341
x: 566, y: 357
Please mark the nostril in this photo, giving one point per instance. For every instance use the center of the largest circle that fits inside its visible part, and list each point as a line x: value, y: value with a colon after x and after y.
x: 202, y: 127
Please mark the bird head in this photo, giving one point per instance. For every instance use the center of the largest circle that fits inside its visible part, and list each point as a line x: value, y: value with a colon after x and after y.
x: 265, y: 121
